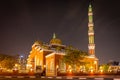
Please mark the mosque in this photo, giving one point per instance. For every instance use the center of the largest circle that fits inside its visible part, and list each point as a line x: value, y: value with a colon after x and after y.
x: 48, y: 57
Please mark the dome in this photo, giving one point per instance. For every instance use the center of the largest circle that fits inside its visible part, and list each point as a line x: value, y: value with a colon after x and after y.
x: 55, y: 40
x: 38, y: 43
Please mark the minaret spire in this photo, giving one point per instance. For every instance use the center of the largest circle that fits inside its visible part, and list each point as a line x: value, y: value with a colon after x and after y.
x: 54, y: 35
x: 91, y: 45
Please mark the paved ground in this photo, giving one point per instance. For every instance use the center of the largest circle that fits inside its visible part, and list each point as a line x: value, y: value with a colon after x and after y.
x: 60, y: 78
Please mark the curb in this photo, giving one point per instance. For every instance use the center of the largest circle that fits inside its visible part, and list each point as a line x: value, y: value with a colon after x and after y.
x: 59, y: 77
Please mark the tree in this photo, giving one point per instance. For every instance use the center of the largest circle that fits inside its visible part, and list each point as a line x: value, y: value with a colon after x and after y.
x: 105, y: 67
x: 7, y: 61
x: 74, y: 56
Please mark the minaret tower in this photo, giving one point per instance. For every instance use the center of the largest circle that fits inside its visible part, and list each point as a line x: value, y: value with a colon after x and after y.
x: 91, y: 45
x: 54, y: 35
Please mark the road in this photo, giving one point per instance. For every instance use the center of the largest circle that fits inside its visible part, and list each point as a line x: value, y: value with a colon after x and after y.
x: 91, y: 77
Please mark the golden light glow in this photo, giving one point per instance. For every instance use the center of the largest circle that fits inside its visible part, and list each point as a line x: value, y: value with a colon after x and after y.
x: 57, y: 66
x: 70, y: 70
x: 95, y: 62
x: 31, y: 69
x: 15, y: 69
x: 44, y: 66
x: 90, y: 14
x: 91, y: 70
x: 29, y: 65
x: 90, y: 24
x: 16, y: 65
x: 101, y: 70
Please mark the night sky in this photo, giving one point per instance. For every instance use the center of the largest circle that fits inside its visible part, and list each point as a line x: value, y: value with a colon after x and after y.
x: 24, y: 21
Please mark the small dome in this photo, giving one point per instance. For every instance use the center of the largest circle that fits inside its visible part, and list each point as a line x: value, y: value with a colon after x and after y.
x: 38, y: 43
x: 55, y: 40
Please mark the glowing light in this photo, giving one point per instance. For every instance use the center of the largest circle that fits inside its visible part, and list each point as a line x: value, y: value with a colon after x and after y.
x: 90, y: 33
x: 29, y: 65
x: 31, y: 69
x: 109, y: 70
x: 16, y: 65
x: 90, y: 14
x: 70, y: 70
x: 91, y: 46
x: 91, y: 70
x: 57, y: 66
x: 21, y: 56
x: 15, y: 69
x: 101, y: 71
x: 44, y: 66
x: 90, y: 24
x: 95, y: 62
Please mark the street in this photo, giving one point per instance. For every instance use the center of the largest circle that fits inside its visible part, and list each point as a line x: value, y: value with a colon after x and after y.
x: 100, y: 77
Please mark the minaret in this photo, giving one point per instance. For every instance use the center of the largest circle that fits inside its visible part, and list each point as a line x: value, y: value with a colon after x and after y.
x: 54, y: 35
x: 91, y: 45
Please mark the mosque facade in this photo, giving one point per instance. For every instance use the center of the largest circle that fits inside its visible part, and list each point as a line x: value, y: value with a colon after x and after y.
x: 48, y: 57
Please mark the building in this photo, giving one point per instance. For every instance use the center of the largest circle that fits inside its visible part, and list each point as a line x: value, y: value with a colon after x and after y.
x: 114, y: 66
x: 47, y: 57
x: 92, y: 59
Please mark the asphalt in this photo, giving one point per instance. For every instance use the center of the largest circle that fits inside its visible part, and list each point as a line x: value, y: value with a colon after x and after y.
x: 60, y: 78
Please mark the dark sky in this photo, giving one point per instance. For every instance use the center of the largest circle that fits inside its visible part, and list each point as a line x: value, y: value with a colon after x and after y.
x: 24, y: 21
